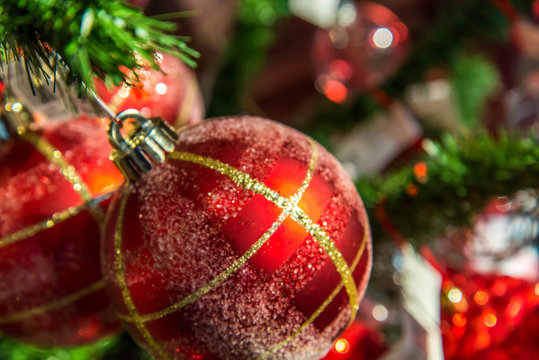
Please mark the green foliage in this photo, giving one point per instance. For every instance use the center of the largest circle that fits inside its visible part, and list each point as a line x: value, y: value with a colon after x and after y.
x: 92, y: 38
x: 463, y: 174
x: 111, y: 348
x: 473, y: 80
x: 255, y: 32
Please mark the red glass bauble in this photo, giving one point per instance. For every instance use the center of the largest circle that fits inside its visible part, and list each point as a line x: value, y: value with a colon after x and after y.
x: 51, y: 183
x: 367, y: 45
x: 172, y: 93
x: 248, y: 242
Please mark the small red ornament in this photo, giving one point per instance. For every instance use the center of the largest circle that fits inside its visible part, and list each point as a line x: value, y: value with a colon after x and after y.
x: 51, y: 292
x: 248, y: 242
x: 172, y: 94
x: 366, y: 46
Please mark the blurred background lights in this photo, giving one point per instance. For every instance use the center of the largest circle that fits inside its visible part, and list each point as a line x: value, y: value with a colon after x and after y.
x: 481, y: 297
x: 124, y: 91
x: 347, y: 14
x: 161, y: 89
x: 459, y: 319
x: 342, y: 346
x: 482, y: 340
x: 514, y: 308
x: 382, y: 38
x: 334, y: 90
x: 146, y: 111
x: 490, y: 320
x: 454, y: 295
x: 16, y: 107
x: 380, y: 313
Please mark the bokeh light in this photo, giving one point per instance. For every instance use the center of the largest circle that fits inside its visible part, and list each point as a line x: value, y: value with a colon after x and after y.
x: 454, y: 295
x: 342, y: 346
x: 459, y: 320
x: 490, y: 320
x: 380, y: 313
x: 382, y: 38
x: 481, y: 297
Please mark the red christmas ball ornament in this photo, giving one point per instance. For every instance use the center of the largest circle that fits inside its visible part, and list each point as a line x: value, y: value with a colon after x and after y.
x: 171, y: 94
x: 52, y: 184
x: 248, y: 242
x: 366, y: 45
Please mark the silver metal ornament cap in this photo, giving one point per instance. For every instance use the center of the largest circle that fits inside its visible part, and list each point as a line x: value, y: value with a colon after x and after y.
x: 149, y: 143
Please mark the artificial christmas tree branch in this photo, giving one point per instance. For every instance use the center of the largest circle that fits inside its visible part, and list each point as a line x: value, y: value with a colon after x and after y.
x: 452, y: 184
x: 90, y: 37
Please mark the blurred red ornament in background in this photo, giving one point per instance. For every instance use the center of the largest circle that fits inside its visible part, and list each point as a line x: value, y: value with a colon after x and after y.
x: 172, y: 94
x: 366, y: 45
x: 53, y: 185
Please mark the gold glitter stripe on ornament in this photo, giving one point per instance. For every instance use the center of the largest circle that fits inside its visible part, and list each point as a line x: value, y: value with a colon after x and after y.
x: 215, y: 281
x: 68, y: 171
x: 322, y: 307
x: 242, y: 259
x: 245, y: 181
x: 310, y: 172
x: 188, y: 103
x: 43, y: 225
x: 120, y: 274
x: 58, y: 304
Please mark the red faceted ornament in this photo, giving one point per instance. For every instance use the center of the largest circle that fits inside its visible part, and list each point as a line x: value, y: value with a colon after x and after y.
x: 367, y: 45
x: 171, y: 94
x: 51, y: 186
x: 248, y: 242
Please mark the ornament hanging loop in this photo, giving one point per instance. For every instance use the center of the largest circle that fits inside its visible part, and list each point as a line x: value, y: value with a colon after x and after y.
x: 148, y: 143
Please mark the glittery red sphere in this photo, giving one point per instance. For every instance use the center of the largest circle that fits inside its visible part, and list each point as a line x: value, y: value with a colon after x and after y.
x: 172, y: 94
x: 51, y: 292
x: 367, y: 45
x: 249, y: 242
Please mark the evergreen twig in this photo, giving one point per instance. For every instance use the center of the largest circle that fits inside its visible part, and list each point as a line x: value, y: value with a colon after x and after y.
x: 91, y: 37
x: 462, y: 176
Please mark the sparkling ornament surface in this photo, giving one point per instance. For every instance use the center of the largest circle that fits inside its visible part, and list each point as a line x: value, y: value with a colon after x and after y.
x: 249, y: 242
x: 51, y: 292
x: 366, y: 45
x: 172, y: 94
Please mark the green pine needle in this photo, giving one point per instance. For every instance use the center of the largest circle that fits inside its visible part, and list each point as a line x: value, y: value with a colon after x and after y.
x: 463, y: 175
x: 93, y: 38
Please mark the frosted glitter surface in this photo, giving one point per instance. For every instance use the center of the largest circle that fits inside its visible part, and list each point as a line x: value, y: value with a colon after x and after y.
x: 174, y: 242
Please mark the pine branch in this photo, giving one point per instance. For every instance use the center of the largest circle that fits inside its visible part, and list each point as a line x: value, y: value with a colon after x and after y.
x: 93, y: 38
x: 462, y: 175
